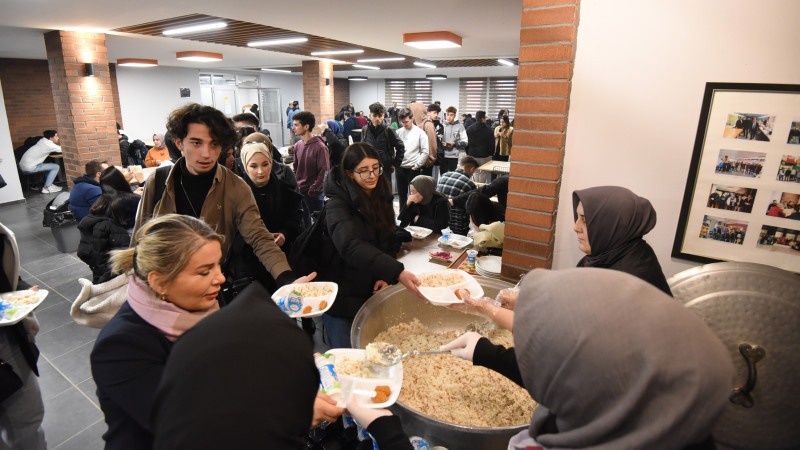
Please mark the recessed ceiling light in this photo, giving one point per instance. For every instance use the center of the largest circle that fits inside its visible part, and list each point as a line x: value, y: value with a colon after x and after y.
x: 137, y: 62
x: 336, y: 52
x: 432, y: 39
x: 362, y: 66
x: 505, y: 62
x: 297, y: 40
x: 424, y: 64
x: 277, y: 70
x: 436, y: 77
x: 195, y: 28
x: 357, y: 78
x: 199, y: 56
x: 393, y: 58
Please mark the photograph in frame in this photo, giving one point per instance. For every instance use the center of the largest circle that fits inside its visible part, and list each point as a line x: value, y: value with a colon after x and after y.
x: 735, y: 174
x: 784, y: 205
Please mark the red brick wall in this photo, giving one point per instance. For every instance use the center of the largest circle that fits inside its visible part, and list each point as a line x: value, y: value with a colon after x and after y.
x: 546, y: 58
x: 317, y: 97
x: 341, y: 93
x: 84, y: 105
x: 28, y: 98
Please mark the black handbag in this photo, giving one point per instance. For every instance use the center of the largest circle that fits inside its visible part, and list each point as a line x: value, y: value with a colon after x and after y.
x: 313, y: 250
x: 10, y: 382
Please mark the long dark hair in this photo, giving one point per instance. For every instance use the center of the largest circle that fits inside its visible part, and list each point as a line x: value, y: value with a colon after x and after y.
x: 112, y: 181
x: 377, y: 206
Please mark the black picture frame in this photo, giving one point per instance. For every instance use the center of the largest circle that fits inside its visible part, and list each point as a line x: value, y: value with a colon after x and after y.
x: 763, y: 150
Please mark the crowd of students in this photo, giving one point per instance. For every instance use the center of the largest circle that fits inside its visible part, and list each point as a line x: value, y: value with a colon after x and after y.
x: 171, y: 361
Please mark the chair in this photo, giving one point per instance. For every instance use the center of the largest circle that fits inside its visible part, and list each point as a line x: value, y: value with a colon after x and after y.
x: 30, y: 181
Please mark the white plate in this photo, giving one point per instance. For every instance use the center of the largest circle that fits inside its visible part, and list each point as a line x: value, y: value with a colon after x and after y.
x: 310, y: 301
x: 15, y: 314
x: 446, y: 295
x: 456, y: 240
x: 394, y: 381
x: 419, y: 232
x: 492, y: 264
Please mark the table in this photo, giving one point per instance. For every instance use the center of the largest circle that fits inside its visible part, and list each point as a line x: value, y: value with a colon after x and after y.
x: 496, y: 166
x: 415, y: 255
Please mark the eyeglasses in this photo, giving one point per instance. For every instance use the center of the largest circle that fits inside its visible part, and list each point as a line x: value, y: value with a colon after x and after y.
x: 367, y: 174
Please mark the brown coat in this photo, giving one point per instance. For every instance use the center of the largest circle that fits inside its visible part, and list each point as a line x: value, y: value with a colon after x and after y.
x: 229, y: 207
x: 421, y: 119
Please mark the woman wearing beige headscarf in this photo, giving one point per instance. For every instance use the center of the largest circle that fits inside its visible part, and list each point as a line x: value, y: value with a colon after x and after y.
x: 612, y: 361
x: 159, y: 153
x: 275, y: 191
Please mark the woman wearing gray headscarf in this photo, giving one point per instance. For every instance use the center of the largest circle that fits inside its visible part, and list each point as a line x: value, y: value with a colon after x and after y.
x: 425, y: 206
x: 612, y: 361
x: 610, y: 222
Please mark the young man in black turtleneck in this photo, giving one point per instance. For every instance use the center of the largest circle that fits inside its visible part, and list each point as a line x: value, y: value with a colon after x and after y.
x: 197, y: 186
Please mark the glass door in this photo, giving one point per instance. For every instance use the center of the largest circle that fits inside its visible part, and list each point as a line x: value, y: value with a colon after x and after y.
x: 271, y: 115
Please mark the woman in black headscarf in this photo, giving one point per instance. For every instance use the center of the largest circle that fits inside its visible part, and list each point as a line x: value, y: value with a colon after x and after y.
x: 598, y: 350
x: 610, y: 222
x: 425, y: 206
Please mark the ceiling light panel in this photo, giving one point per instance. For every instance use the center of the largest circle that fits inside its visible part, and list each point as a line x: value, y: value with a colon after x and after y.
x: 374, y: 60
x: 424, y: 64
x: 336, y: 52
x: 287, y: 41
x: 208, y: 26
x: 362, y: 66
x: 505, y: 62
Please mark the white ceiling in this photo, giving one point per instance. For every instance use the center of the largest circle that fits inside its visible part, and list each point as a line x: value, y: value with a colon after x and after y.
x: 489, y: 29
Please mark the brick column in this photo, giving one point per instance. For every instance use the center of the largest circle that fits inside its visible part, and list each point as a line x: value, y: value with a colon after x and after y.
x: 546, y: 59
x: 317, y: 97
x: 84, y: 105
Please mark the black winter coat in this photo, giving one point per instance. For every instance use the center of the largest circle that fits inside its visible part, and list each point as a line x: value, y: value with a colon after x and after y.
x: 368, y: 254
x: 99, y: 235
x: 279, y: 205
x: 385, y: 140
x: 435, y: 215
x: 481, y: 140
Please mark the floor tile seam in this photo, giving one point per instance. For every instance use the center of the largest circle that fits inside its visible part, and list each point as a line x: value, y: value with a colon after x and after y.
x: 76, y: 434
x: 53, y: 289
x: 42, y: 356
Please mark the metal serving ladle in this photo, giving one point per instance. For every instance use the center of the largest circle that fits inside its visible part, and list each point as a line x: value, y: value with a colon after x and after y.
x: 388, y: 355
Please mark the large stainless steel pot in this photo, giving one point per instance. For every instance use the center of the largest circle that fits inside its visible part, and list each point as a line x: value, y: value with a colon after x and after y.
x: 396, y: 305
x: 755, y: 310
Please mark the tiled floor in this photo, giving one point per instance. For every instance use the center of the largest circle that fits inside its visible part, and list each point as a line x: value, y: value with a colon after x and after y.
x: 72, y: 416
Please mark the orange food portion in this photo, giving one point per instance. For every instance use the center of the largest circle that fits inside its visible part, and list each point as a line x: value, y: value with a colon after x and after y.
x: 460, y: 293
x: 385, y: 389
x: 322, y: 305
x: 306, y: 309
x: 380, y: 397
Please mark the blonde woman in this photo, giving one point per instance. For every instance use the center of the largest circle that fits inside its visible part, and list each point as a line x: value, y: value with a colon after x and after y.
x: 175, y: 280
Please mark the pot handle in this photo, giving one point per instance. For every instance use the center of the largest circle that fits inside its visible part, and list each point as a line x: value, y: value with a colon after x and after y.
x: 751, y: 354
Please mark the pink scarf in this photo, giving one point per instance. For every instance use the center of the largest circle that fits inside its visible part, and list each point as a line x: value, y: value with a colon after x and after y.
x: 168, y: 318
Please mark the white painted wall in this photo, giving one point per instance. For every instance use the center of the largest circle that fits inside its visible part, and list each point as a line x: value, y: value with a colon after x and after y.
x: 148, y: 95
x: 640, y: 72
x: 446, y: 91
x: 364, y: 93
x: 291, y: 87
x: 8, y: 165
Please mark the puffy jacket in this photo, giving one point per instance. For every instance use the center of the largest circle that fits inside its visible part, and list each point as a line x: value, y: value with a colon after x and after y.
x: 481, y: 141
x: 385, y: 140
x: 367, y: 253
x: 99, y: 235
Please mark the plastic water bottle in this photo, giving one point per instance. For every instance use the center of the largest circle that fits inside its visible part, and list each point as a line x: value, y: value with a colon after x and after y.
x: 328, y: 380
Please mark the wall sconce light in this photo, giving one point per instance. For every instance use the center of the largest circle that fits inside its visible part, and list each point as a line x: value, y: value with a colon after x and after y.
x: 89, y: 69
x: 327, y: 81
